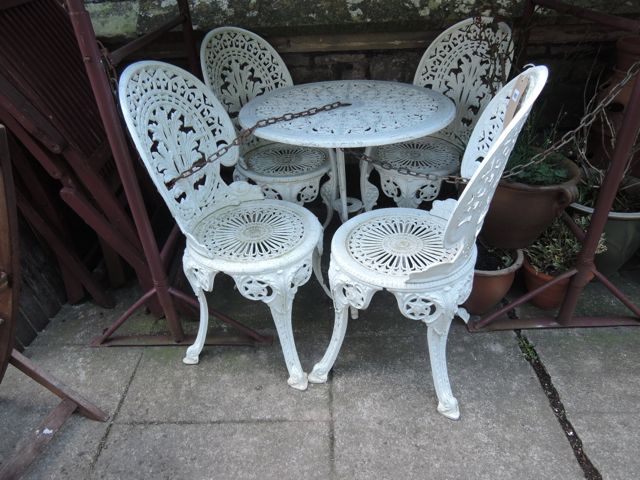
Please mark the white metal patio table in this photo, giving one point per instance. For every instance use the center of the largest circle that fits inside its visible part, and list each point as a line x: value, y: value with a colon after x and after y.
x: 380, y: 113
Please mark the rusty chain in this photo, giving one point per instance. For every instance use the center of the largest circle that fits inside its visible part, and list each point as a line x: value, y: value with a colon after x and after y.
x: 587, y: 120
x: 244, y: 135
x: 456, y: 179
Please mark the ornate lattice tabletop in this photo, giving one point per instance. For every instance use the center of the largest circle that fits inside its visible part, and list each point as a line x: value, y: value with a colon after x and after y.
x: 380, y: 113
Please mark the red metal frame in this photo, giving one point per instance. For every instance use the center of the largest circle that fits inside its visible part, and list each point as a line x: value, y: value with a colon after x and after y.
x: 15, y: 466
x: 110, y: 116
x: 584, y: 267
x: 56, y: 97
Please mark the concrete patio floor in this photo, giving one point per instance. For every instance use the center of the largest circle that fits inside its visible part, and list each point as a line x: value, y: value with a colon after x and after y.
x: 234, y: 417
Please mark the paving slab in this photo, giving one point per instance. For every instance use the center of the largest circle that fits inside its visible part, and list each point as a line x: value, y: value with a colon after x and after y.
x: 386, y: 424
x: 81, y: 323
x: 229, y: 383
x: 101, y: 375
x: 265, y: 450
x: 595, y: 373
x: 596, y: 299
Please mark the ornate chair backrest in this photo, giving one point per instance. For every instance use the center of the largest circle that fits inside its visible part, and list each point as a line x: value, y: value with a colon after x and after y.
x: 239, y: 65
x: 468, y: 63
x: 491, y: 143
x: 174, y: 120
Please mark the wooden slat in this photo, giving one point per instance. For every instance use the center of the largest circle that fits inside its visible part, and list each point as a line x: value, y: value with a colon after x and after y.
x: 20, y: 461
x: 170, y: 47
x: 56, y: 387
x: 8, y: 255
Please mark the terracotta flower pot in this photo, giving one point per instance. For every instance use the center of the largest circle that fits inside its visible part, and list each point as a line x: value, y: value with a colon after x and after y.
x: 520, y: 212
x: 551, y: 297
x: 490, y: 286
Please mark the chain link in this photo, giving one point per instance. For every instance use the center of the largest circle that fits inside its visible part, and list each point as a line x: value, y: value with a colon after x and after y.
x: 244, y: 135
x: 412, y: 173
x: 586, y: 121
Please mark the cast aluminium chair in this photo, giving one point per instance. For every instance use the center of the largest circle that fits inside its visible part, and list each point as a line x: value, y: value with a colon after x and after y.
x: 269, y: 247
x: 238, y: 65
x: 426, y: 259
x: 468, y: 62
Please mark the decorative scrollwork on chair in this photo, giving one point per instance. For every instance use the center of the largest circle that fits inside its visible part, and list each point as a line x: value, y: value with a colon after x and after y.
x: 426, y: 259
x: 268, y: 246
x: 239, y: 65
x: 468, y: 63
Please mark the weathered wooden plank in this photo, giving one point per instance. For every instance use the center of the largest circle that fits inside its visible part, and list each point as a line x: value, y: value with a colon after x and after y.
x: 560, y: 33
x: 39, y: 438
x: 24, y: 332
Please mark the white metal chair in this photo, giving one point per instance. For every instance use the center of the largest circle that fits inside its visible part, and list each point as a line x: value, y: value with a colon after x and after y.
x: 269, y: 247
x: 239, y: 65
x: 468, y: 62
x: 426, y: 259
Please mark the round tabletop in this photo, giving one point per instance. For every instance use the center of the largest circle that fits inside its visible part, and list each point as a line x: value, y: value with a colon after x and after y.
x: 380, y: 113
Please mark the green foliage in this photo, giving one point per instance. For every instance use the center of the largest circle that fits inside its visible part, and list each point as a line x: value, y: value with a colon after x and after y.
x: 549, y: 169
x: 555, y: 250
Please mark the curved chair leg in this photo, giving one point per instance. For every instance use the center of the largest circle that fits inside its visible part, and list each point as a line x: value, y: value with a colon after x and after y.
x: 317, y: 269
x: 199, y: 281
x: 192, y: 357
x: 281, y: 306
x: 321, y: 369
x: 277, y: 290
x: 437, y: 339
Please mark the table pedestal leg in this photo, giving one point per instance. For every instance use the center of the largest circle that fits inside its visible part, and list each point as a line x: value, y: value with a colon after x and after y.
x: 340, y: 202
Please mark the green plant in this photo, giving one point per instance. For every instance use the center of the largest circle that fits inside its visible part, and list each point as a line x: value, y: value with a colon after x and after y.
x: 524, y: 166
x: 555, y: 250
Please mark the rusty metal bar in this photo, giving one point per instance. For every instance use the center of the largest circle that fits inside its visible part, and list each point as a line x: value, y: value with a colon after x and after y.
x: 91, y: 55
x: 15, y: 468
x: 123, y: 52
x: 189, y: 39
x: 622, y: 153
x: 598, y: 17
x: 480, y: 324
x: 584, y: 267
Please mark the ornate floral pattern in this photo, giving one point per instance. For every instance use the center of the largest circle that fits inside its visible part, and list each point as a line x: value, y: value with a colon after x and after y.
x: 238, y: 66
x: 468, y: 63
x: 177, y: 123
x: 251, y: 232
x: 382, y: 111
x: 466, y: 221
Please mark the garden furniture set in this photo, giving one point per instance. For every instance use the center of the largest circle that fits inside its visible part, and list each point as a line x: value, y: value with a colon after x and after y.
x: 256, y: 229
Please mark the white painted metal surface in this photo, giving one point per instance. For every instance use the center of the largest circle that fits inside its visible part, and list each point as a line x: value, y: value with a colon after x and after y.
x: 269, y: 247
x: 239, y: 65
x: 426, y: 259
x: 380, y: 113
x: 467, y: 63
